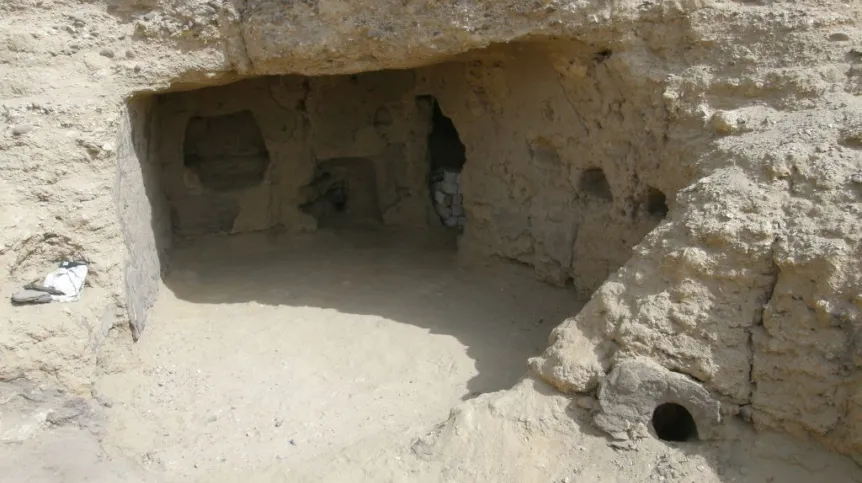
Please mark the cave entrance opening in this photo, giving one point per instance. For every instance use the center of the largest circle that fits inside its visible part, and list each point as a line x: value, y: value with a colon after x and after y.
x: 446, y: 158
x: 293, y: 219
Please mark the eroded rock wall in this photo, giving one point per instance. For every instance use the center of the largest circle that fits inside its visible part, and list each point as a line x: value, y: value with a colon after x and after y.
x: 726, y: 290
x: 744, y: 114
x: 563, y: 146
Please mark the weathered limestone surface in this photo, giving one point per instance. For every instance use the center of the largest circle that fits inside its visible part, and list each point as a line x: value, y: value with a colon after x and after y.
x: 746, y: 116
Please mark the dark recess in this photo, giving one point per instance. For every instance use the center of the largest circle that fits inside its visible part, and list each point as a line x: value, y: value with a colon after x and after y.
x: 656, y: 203
x: 602, y: 55
x: 445, y: 148
x: 226, y: 152
x: 343, y: 190
x: 594, y: 184
x: 673, y: 422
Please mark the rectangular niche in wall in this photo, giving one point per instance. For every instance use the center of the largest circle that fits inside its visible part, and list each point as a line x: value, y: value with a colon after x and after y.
x: 343, y: 191
x: 226, y: 152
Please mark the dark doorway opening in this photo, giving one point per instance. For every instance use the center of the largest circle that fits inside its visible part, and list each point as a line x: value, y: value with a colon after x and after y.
x: 656, y: 203
x: 446, y: 158
x: 444, y: 144
x: 343, y: 191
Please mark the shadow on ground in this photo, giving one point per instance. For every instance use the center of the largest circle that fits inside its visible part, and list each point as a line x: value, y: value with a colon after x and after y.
x: 497, y: 311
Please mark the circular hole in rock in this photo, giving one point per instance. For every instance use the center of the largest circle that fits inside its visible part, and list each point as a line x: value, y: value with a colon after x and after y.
x: 673, y: 422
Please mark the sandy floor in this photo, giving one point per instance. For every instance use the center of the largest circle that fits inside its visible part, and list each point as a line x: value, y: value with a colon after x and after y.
x: 267, y: 351
x: 349, y: 358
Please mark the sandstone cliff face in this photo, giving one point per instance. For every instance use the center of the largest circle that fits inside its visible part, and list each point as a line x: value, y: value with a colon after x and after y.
x: 585, y: 123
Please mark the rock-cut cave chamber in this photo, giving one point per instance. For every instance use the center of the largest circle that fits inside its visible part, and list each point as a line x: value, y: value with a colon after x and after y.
x: 549, y: 156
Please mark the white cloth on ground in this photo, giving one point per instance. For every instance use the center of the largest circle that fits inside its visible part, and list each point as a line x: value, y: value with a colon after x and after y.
x: 69, y: 280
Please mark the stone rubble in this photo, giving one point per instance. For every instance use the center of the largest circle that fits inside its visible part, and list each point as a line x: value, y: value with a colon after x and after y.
x: 448, y: 200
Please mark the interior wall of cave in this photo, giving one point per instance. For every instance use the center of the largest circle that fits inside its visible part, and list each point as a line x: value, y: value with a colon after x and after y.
x: 567, y: 167
x: 250, y: 156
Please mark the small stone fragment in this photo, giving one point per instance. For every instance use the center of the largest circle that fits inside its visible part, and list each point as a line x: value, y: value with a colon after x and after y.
x: 586, y: 402
x: 726, y: 122
x: 622, y: 445
x: 107, y: 53
x: 100, y: 398
x: 449, y: 187
x: 22, y: 129
x: 746, y: 413
x: 67, y: 413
